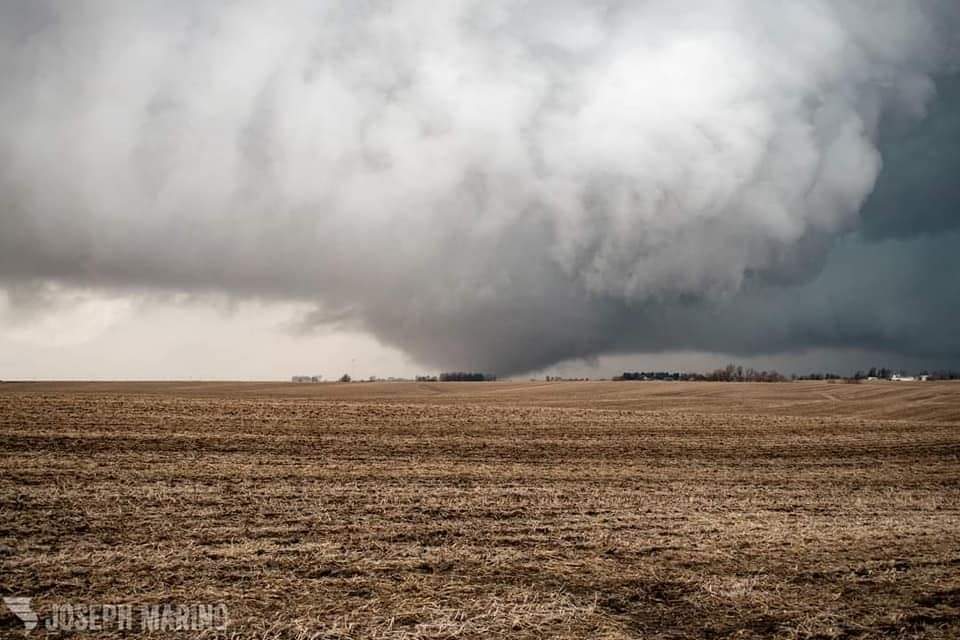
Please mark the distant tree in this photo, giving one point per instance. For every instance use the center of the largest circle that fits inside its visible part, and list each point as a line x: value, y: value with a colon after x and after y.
x: 466, y: 376
x: 345, y: 377
x: 730, y: 373
x: 946, y: 374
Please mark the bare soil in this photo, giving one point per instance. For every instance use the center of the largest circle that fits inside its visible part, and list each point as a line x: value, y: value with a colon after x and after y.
x: 490, y: 510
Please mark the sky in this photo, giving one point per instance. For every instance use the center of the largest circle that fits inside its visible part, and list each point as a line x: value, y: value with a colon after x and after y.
x: 231, y: 190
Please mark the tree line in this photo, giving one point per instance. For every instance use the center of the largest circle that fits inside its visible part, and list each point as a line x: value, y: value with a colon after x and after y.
x: 730, y: 373
x: 465, y: 376
x: 737, y: 373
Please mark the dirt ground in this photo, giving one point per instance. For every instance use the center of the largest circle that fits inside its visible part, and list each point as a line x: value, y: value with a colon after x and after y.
x: 489, y: 510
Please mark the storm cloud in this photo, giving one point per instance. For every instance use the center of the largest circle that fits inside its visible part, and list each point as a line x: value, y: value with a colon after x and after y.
x: 503, y: 184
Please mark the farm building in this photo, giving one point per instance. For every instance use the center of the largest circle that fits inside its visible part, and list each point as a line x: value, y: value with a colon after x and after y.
x: 899, y: 378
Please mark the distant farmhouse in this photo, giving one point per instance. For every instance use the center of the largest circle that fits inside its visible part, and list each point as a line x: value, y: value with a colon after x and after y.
x: 900, y: 378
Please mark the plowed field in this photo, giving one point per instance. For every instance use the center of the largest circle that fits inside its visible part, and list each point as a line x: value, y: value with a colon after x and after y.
x: 490, y: 510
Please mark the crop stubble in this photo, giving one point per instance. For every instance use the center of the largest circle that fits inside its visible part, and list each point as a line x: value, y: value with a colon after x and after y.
x: 600, y: 510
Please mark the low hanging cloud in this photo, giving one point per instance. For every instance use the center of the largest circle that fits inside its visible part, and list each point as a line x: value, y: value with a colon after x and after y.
x: 500, y: 185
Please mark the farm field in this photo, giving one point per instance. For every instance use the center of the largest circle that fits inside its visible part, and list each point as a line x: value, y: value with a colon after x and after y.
x: 490, y: 510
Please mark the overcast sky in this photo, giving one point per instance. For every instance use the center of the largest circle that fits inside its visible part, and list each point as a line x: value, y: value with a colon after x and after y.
x: 236, y: 190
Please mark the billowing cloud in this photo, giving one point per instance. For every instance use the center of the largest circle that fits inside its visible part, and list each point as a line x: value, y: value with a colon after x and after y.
x: 499, y: 185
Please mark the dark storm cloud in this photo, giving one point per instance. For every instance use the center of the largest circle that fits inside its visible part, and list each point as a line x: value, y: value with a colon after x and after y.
x: 918, y: 190
x: 499, y: 185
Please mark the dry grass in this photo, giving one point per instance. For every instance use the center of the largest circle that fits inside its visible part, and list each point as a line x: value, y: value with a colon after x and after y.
x: 593, y: 510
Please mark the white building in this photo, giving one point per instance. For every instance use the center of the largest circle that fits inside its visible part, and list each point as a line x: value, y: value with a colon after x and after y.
x: 899, y: 378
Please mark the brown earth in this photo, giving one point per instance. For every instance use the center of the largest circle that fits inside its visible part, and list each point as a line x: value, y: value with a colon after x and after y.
x: 479, y: 510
